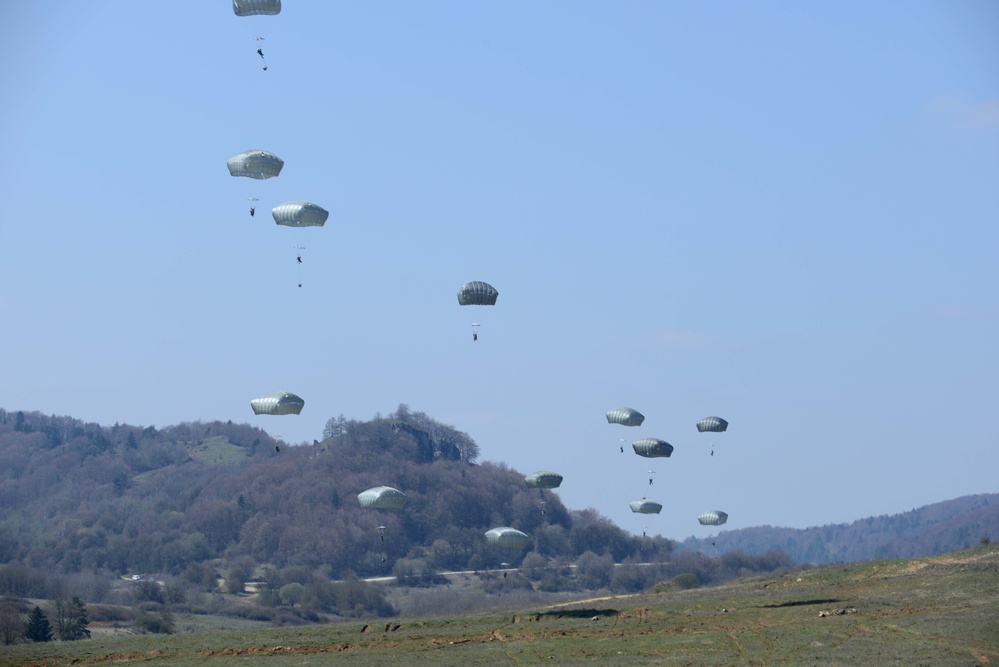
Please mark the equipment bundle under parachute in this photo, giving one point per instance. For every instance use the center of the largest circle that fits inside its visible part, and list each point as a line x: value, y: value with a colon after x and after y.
x: 652, y: 448
x: 278, y: 403
x: 625, y: 417
x: 300, y: 214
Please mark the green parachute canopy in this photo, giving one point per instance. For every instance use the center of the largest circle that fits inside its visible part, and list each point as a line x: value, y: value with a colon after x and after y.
x: 507, y: 538
x: 256, y: 164
x: 278, y: 403
x: 646, y: 506
x: 652, y: 448
x: 714, y: 518
x: 712, y: 424
x: 256, y: 7
x: 300, y: 214
x: 625, y: 417
x: 382, y: 498
x: 544, y: 479
x: 477, y: 293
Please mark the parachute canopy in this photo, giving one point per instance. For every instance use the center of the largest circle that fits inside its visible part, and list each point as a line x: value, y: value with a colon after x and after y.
x: 256, y: 7
x: 255, y: 164
x: 300, y: 214
x: 278, y: 403
x: 646, y: 506
x: 382, y: 498
x: 544, y: 479
x: 507, y: 538
x: 652, y: 448
x: 714, y: 518
x: 714, y: 424
x: 477, y: 293
x: 625, y: 417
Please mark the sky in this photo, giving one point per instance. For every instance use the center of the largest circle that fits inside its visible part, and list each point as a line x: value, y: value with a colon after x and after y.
x: 781, y: 213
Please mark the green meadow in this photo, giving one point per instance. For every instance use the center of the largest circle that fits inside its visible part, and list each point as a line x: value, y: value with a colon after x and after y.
x: 942, y: 610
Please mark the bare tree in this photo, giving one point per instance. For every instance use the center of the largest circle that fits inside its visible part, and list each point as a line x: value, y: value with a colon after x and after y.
x: 11, y: 623
x: 335, y: 426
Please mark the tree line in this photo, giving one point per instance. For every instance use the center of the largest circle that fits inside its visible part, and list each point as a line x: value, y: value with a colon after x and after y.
x: 938, y: 528
x: 213, y: 508
x: 68, y: 621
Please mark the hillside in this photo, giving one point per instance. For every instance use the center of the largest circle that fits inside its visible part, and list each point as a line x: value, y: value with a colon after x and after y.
x: 934, y: 529
x: 79, y: 497
x: 933, y: 611
x: 188, y: 518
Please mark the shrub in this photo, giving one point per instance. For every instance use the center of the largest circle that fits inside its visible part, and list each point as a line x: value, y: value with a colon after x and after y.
x: 686, y: 580
x: 158, y: 622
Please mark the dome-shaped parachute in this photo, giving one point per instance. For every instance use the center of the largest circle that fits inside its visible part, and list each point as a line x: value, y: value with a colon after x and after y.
x: 646, y: 506
x: 712, y: 424
x: 507, y: 538
x: 477, y: 293
x: 256, y: 7
x: 278, y: 403
x: 300, y: 214
x: 382, y: 498
x: 544, y: 479
x: 255, y: 164
x: 714, y: 518
x: 652, y: 448
x: 625, y: 417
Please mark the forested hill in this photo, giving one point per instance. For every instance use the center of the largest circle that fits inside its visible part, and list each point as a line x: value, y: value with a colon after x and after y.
x: 78, y: 496
x: 934, y: 529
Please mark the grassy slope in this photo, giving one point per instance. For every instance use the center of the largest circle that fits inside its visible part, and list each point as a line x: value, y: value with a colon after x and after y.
x: 932, y: 611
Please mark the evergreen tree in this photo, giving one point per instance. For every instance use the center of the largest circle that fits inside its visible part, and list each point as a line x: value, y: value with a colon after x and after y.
x: 71, y: 619
x: 39, y: 629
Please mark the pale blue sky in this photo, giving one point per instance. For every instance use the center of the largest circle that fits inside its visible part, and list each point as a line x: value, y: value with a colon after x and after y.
x: 781, y: 213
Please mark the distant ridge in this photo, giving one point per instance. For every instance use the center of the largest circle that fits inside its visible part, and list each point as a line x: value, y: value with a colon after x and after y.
x: 934, y: 529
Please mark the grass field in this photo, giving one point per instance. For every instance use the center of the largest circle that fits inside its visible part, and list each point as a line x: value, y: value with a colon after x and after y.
x: 932, y: 611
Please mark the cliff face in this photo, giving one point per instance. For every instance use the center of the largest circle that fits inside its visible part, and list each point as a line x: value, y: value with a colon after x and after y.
x: 430, y: 448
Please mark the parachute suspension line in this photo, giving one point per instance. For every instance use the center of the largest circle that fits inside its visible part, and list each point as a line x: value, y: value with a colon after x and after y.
x: 381, y: 538
x: 260, y: 51
x: 298, y: 259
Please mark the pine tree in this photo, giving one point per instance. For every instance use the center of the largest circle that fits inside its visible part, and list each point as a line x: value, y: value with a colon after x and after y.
x: 80, y: 621
x: 38, y: 629
x: 71, y: 619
